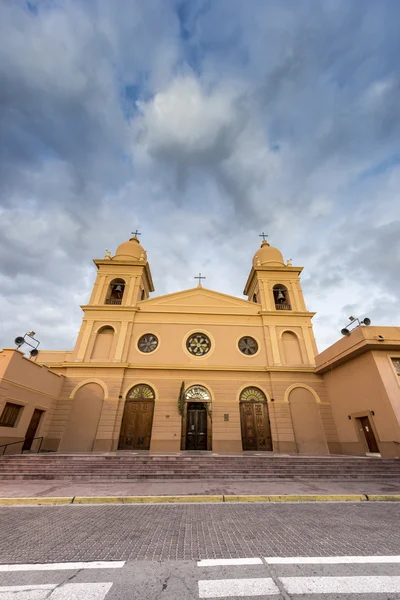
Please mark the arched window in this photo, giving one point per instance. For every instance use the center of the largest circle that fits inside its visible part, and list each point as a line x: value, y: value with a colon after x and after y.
x: 197, y: 393
x: 115, y: 291
x: 103, y: 343
x: 291, y: 349
x: 142, y: 391
x: 252, y: 394
x: 143, y: 295
x: 281, y: 297
x: 255, y: 298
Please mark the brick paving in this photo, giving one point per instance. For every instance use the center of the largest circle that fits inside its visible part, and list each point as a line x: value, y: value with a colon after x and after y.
x: 187, y: 532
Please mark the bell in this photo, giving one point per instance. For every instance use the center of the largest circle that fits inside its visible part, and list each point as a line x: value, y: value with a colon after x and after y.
x: 118, y: 288
x: 281, y: 295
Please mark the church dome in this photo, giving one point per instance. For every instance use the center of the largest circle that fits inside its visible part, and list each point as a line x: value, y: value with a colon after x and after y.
x: 267, y: 256
x: 130, y: 250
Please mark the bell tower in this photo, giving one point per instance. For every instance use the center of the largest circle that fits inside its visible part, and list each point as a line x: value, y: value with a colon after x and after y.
x: 122, y: 282
x: 275, y: 286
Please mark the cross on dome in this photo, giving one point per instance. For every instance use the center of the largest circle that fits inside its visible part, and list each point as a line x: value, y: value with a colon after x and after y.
x: 135, y: 233
x: 263, y: 235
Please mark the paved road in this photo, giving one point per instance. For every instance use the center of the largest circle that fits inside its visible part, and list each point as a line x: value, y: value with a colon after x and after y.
x: 185, y: 552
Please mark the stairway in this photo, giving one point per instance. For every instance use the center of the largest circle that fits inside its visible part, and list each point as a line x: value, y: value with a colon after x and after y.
x: 116, y: 467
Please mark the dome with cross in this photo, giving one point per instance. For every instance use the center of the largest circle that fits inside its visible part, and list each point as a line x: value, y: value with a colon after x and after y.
x: 267, y: 256
x: 131, y: 250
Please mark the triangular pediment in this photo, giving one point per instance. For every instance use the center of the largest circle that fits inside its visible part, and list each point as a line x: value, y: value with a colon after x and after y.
x: 199, y: 299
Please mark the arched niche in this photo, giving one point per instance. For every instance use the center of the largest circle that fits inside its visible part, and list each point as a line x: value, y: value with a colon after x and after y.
x: 103, y: 343
x: 281, y: 297
x: 306, y: 421
x: 115, y: 291
x: 291, y: 349
x: 81, y: 428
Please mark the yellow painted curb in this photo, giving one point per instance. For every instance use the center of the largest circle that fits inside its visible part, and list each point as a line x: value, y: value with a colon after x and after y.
x: 144, y: 499
x: 37, y: 501
x: 298, y: 498
x: 384, y: 497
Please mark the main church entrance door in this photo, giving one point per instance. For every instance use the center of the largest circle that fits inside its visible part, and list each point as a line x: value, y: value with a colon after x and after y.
x: 137, y: 420
x: 254, y: 420
x: 196, y: 426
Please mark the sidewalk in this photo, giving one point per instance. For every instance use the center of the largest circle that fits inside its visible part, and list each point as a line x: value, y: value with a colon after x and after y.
x: 281, y: 487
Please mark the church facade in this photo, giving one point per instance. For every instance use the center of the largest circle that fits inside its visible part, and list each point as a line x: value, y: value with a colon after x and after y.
x: 198, y: 370
x: 192, y: 370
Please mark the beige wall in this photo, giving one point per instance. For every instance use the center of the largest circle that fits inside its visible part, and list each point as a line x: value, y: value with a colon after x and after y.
x: 31, y: 386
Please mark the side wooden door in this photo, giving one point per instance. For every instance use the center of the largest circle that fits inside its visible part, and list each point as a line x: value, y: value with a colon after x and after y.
x: 256, y: 431
x: 32, y: 429
x: 369, y: 434
x: 136, y: 425
x: 196, y: 429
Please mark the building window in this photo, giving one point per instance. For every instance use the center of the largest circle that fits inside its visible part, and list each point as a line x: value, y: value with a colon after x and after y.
x: 198, y: 344
x: 142, y: 391
x: 148, y: 343
x: 281, y: 297
x: 396, y: 364
x: 10, y: 414
x: 248, y: 345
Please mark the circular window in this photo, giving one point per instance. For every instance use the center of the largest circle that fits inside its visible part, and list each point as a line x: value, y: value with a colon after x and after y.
x: 148, y: 343
x: 248, y: 345
x: 198, y: 344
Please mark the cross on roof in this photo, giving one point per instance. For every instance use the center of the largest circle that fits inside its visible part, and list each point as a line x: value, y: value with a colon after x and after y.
x: 200, y: 277
x: 135, y: 233
x: 263, y: 235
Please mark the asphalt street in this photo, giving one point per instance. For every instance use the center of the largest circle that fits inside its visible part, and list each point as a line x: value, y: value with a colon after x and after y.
x: 281, y: 551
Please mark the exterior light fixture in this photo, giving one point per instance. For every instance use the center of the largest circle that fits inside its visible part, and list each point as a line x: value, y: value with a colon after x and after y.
x: 354, y: 323
x: 349, y: 417
x: 20, y: 341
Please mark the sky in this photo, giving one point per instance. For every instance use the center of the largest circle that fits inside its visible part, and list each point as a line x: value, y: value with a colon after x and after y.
x: 202, y: 123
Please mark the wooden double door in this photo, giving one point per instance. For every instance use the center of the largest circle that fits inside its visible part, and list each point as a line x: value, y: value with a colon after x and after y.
x: 255, y: 426
x: 196, y: 426
x: 137, y: 423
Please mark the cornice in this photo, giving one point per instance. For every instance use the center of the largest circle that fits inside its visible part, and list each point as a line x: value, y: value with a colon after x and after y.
x: 162, y: 367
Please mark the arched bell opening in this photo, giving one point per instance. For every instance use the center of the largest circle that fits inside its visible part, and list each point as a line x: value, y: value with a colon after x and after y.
x: 281, y: 297
x: 137, y: 420
x: 197, y: 419
x: 254, y: 420
x: 115, y: 291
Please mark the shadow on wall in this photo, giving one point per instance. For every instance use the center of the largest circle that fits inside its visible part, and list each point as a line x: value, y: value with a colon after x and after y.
x: 307, y: 424
x: 83, y: 420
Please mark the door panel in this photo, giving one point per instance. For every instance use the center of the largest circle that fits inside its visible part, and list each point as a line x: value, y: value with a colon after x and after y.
x: 368, y: 434
x: 256, y: 434
x: 196, y: 428
x: 31, y: 431
x: 136, y: 425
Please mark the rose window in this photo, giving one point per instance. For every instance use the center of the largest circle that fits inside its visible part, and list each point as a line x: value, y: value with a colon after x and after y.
x: 198, y: 344
x: 248, y: 345
x: 148, y: 343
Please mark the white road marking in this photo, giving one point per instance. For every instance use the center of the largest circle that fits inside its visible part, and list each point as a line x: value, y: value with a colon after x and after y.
x: 342, y: 585
x: 63, y: 566
x: 69, y: 591
x: 81, y: 591
x: 329, y: 560
x: 223, y: 588
x: 220, y: 562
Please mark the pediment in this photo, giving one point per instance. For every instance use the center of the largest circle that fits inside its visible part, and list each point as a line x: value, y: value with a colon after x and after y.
x: 199, y: 299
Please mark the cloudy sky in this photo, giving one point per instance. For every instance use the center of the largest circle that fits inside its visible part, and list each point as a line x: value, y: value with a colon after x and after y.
x: 202, y: 123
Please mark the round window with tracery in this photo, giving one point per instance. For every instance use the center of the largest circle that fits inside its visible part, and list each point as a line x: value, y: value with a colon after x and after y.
x: 148, y: 343
x: 198, y: 344
x: 248, y: 345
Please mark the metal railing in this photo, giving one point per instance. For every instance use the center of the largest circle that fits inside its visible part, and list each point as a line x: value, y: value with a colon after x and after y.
x: 21, y: 442
x: 114, y: 301
x: 283, y: 307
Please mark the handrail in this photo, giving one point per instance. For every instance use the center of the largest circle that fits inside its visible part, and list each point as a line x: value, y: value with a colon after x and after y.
x: 21, y: 442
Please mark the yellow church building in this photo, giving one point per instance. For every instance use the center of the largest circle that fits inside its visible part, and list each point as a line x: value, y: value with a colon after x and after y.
x: 197, y: 370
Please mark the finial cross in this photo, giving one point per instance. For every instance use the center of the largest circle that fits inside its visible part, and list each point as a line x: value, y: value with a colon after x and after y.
x: 263, y: 235
x: 200, y: 277
x: 135, y: 233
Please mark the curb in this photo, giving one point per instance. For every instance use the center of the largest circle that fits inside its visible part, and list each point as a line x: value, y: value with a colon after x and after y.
x: 200, y: 498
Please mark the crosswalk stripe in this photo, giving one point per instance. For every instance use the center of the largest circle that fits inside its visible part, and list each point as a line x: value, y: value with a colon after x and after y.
x: 24, y: 588
x: 81, y: 591
x: 342, y: 585
x: 63, y: 566
x: 223, y: 588
x: 220, y: 562
x: 329, y: 560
